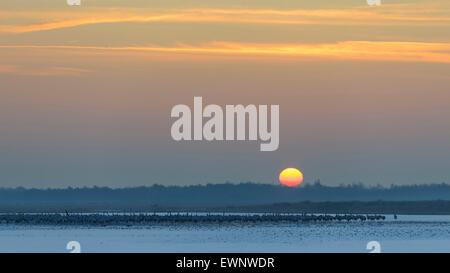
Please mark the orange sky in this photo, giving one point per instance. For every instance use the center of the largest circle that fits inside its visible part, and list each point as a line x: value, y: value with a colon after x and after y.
x: 87, y: 91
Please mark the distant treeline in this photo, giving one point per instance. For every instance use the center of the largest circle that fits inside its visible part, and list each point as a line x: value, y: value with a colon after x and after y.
x: 207, y: 196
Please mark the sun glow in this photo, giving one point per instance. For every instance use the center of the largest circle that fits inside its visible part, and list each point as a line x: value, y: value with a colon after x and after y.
x: 291, y: 177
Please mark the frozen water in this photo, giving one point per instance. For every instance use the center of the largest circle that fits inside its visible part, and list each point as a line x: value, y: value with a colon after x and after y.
x: 407, y: 234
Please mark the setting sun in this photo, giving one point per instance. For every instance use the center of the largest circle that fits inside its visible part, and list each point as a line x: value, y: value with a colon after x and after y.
x: 291, y: 177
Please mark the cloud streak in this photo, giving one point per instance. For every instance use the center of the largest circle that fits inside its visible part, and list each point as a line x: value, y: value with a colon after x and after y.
x: 357, y: 16
x: 350, y: 50
x: 42, y: 71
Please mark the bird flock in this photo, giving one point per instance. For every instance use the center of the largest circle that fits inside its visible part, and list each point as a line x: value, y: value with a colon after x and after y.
x: 131, y: 219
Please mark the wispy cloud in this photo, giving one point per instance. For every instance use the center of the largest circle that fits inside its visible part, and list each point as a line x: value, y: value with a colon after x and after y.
x: 42, y: 71
x: 357, y: 16
x: 357, y: 50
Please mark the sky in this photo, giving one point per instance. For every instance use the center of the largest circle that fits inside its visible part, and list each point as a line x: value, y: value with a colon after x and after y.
x: 87, y: 91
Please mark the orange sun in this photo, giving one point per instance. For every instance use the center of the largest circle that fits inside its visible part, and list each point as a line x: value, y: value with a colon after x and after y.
x: 291, y: 177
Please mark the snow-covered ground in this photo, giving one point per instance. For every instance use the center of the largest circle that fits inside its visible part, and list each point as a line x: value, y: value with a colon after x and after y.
x: 407, y: 234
